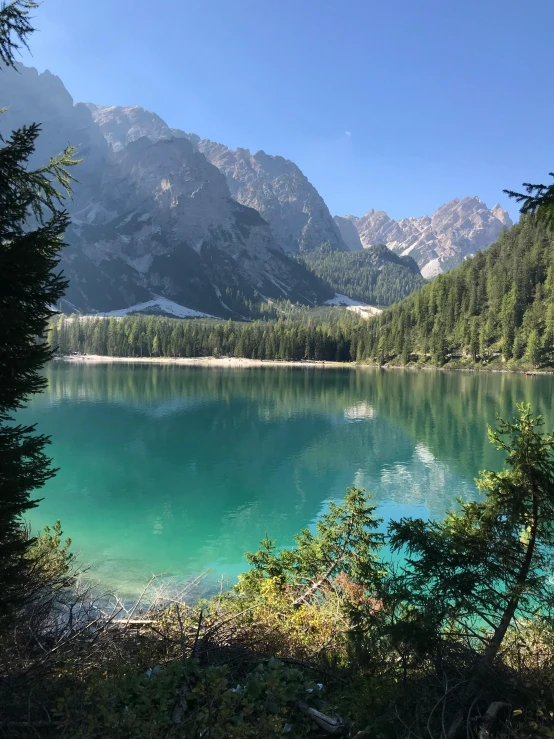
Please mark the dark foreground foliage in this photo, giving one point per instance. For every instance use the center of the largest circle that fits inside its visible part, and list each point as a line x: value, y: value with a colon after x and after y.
x: 325, y: 637
x: 32, y: 224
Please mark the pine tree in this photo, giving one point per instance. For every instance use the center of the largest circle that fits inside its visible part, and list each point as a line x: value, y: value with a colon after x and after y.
x: 345, y: 542
x: 533, y: 348
x: 489, y: 562
x: 474, y: 340
x: 549, y: 329
x: 536, y: 199
x: 508, y: 340
x: 31, y: 230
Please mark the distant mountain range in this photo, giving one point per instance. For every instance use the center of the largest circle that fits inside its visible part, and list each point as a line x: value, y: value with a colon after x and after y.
x: 161, y: 217
x: 438, y: 242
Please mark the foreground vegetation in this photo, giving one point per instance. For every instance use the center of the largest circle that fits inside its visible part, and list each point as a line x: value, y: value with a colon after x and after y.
x: 329, y: 636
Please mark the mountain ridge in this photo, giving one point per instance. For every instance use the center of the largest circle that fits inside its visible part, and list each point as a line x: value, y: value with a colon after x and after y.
x: 152, y: 220
x: 271, y: 184
x: 438, y: 242
x: 244, y: 212
x: 298, y: 216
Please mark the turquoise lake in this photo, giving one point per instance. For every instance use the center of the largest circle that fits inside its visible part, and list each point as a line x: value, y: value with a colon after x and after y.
x: 173, y: 470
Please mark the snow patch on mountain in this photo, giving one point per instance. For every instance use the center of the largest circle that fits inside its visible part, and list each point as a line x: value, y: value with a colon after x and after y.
x: 157, y: 305
x: 345, y: 301
x: 356, y: 306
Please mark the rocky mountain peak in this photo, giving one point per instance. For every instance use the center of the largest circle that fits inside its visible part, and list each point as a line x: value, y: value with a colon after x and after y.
x: 31, y: 97
x: 123, y: 124
x: 273, y: 185
x: 438, y: 242
x: 499, y: 212
x: 164, y: 224
x: 282, y: 194
x: 153, y: 221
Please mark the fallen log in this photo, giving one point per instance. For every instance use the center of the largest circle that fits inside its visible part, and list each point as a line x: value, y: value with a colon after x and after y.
x: 330, y: 724
x: 486, y: 722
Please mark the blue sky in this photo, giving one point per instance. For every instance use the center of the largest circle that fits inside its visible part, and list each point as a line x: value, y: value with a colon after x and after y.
x: 398, y: 105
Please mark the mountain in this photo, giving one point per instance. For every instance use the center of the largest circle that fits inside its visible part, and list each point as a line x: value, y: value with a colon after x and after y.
x: 272, y: 185
x: 375, y: 275
x: 165, y: 219
x: 151, y: 221
x: 438, y: 242
x: 276, y: 188
x: 122, y: 125
x: 349, y: 232
x: 164, y: 224
x: 31, y: 97
x: 497, y: 306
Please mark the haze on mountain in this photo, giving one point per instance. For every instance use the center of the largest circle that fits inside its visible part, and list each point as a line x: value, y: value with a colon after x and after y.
x: 153, y: 219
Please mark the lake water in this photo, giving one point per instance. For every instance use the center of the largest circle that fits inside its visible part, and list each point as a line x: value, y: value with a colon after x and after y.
x: 171, y: 470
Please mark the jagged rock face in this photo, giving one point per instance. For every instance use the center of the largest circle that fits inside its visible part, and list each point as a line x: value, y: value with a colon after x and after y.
x: 274, y: 186
x: 440, y: 242
x: 151, y: 219
x: 349, y: 233
x: 122, y: 125
x: 165, y: 224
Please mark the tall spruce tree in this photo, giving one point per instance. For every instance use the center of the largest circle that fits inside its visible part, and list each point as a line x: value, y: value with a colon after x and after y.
x: 32, y: 225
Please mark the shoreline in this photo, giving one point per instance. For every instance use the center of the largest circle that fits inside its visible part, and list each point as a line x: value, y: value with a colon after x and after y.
x: 244, y: 362
x: 240, y: 362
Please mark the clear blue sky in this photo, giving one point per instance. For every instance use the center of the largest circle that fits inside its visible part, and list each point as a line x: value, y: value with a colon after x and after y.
x: 399, y: 105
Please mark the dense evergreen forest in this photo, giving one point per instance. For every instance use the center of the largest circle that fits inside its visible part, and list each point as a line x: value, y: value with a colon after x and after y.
x: 496, y: 309
x: 497, y: 305
x: 376, y: 275
x: 331, y: 339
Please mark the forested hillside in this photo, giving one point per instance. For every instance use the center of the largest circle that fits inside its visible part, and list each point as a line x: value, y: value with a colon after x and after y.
x: 497, y: 308
x: 497, y: 305
x: 375, y: 275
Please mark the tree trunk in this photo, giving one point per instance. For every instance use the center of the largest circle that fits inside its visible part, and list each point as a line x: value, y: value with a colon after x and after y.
x: 486, y: 662
x: 494, y: 645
